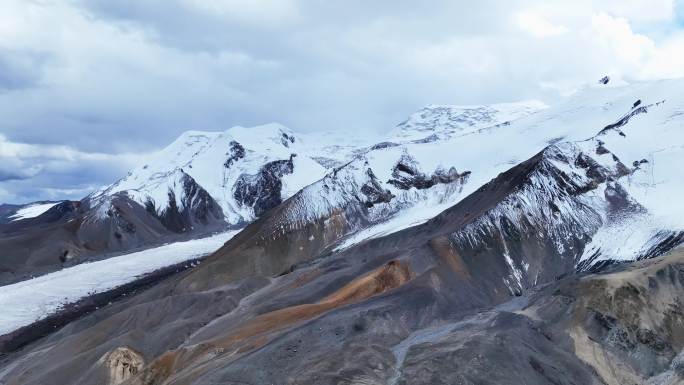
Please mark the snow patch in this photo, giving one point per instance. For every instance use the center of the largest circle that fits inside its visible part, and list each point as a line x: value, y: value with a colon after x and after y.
x: 32, y: 211
x: 32, y: 300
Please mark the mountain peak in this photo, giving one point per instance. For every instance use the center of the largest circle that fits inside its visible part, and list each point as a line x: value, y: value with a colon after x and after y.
x: 447, y: 120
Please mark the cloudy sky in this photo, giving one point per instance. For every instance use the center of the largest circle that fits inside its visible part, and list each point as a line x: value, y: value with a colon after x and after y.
x: 88, y: 87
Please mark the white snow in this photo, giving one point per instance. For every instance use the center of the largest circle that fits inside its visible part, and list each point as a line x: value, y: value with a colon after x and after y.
x: 203, y: 156
x: 485, y: 142
x: 32, y: 211
x: 625, y: 239
x: 468, y: 140
x: 516, y: 274
x: 415, y: 215
x: 447, y: 120
x: 28, y: 301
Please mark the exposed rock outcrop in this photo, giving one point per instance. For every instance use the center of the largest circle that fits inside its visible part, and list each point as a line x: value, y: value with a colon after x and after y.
x: 262, y: 191
x: 374, y: 192
x: 235, y: 153
x: 122, y: 363
x: 406, y: 175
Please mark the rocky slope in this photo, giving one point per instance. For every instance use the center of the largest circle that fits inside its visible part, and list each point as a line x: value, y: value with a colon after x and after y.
x: 484, y: 256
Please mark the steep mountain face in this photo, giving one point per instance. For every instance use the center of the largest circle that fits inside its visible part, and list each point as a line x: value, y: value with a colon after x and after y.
x: 243, y: 172
x: 193, y: 207
x: 460, y: 258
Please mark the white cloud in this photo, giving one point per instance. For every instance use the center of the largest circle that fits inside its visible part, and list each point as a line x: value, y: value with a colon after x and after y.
x: 667, y: 61
x: 616, y: 36
x: 251, y: 11
x: 640, y: 10
x: 537, y: 25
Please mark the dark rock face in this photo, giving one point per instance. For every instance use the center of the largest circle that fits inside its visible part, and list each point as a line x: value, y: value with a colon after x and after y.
x: 600, y: 150
x: 638, y: 163
x: 382, y: 145
x: 6, y: 211
x: 537, y: 231
x: 429, y: 139
x: 125, y: 224
x: 374, y: 192
x: 286, y: 139
x: 262, y: 191
x: 669, y: 241
x: 235, y: 153
x: 636, y: 110
x: 406, y: 174
x: 121, y: 223
x: 73, y: 232
x: 197, y: 208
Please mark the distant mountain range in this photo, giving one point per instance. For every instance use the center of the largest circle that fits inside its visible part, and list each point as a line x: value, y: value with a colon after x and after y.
x: 459, y: 248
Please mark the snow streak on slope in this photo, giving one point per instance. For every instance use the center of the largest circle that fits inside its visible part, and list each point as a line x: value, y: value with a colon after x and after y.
x: 28, y: 301
x: 32, y: 210
x: 420, y: 213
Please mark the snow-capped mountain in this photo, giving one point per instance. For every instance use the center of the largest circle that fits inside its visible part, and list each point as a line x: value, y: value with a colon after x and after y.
x: 244, y: 171
x: 205, y: 181
x: 247, y: 171
x: 417, y: 176
x: 201, y: 183
x: 463, y: 224
x: 618, y: 142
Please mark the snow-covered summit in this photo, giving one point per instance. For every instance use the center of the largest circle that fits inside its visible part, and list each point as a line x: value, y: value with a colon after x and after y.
x: 637, y: 126
x: 247, y: 170
x: 240, y: 168
x: 446, y: 120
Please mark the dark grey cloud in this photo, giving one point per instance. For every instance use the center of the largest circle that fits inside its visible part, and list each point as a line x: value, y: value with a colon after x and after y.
x: 30, y: 172
x: 20, y: 69
x: 11, y: 174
